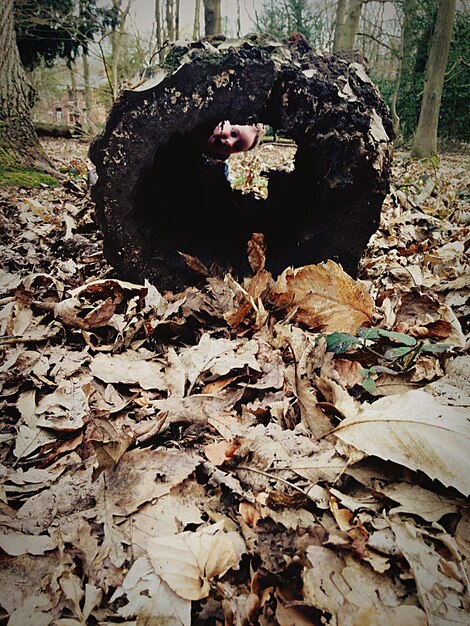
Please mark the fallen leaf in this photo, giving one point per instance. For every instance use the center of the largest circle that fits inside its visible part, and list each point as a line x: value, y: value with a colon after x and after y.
x: 15, y: 543
x: 187, y: 562
x: 148, y: 597
x: 257, y: 252
x: 443, y: 597
x: 323, y: 297
x: 417, y: 431
x: 415, y: 500
x: 130, y: 368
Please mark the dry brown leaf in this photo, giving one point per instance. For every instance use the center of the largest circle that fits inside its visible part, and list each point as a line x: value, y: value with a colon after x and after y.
x: 15, y: 543
x: 130, y: 368
x: 250, y: 513
x: 149, y: 598
x: 343, y: 587
x: 257, y: 252
x: 323, y: 297
x: 417, y: 431
x: 444, y: 597
x: 416, y: 500
x: 218, y: 453
x: 70, y: 311
x: 189, y: 561
x: 195, y: 264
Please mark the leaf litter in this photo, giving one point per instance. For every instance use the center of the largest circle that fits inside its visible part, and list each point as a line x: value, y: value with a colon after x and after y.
x: 290, y: 450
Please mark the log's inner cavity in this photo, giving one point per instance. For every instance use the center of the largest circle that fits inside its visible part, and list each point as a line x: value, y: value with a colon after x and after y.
x: 184, y: 203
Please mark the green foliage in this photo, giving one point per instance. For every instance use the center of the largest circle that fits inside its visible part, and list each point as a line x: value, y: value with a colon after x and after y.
x: 281, y: 18
x: 11, y: 175
x: 395, y: 352
x: 456, y: 93
x: 55, y: 29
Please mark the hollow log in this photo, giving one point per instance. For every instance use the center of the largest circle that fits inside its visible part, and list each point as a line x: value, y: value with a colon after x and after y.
x: 52, y: 130
x: 159, y: 197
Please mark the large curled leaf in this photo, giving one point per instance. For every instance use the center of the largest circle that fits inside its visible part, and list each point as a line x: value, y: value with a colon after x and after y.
x: 189, y: 560
x: 323, y: 297
x: 417, y: 431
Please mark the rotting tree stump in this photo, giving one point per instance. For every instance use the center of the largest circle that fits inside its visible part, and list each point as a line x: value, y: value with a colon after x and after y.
x: 158, y: 195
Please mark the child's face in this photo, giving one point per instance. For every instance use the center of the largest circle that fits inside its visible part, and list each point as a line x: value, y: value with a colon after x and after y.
x: 226, y: 139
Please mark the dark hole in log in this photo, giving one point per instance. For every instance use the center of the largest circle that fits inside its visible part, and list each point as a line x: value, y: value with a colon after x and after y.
x: 159, y: 195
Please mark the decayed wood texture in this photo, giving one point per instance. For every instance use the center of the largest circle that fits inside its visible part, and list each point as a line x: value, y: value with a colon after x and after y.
x: 157, y: 195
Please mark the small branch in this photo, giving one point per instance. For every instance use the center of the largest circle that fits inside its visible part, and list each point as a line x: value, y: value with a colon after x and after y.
x: 11, y: 341
x: 278, y: 478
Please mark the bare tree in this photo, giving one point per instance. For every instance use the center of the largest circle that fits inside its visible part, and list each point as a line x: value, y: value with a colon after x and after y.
x: 158, y: 24
x: 339, y: 24
x: 177, y: 19
x: 197, y: 21
x: 351, y: 24
x: 212, y: 17
x: 116, y: 37
x: 169, y: 19
x: 18, y: 140
x: 425, y: 141
x: 239, y: 20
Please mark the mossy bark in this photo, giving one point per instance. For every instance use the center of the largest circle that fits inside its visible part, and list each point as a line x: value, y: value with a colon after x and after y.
x: 18, y: 141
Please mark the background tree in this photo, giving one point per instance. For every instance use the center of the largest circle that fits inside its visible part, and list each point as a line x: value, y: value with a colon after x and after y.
x: 281, y: 18
x: 197, y: 20
x: 425, y: 141
x: 350, y: 25
x: 18, y: 141
x: 339, y: 23
x: 47, y: 30
x: 212, y: 17
x: 117, y: 21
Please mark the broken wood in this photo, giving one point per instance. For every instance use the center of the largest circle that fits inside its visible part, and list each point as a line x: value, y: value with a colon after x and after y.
x: 160, y: 200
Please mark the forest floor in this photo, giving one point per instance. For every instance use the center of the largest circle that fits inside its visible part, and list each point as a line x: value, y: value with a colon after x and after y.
x: 287, y: 452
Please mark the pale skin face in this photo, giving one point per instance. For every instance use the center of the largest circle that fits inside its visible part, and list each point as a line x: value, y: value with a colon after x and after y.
x: 227, y: 138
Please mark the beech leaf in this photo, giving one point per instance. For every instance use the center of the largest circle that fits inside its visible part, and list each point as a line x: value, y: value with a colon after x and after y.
x: 417, y: 431
x: 189, y: 560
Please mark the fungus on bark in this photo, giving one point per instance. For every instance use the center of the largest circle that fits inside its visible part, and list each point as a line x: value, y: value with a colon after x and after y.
x: 158, y: 195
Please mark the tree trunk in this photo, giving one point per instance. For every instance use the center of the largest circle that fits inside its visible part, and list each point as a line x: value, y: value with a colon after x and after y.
x: 212, y: 17
x: 87, y: 91
x: 425, y: 141
x: 158, y: 30
x: 339, y: 24
x: 73, y: 102
x: 151, y: 208
x: 116, y: 37
x: 169, y: 17
x: 18, y: 140
x: 351, y: 24
x: 177, y: 19
x: 239, y: 20
x: 197, y: 20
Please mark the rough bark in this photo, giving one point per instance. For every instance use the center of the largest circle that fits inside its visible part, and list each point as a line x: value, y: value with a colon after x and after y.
x: 339, y: 24
x: 212, y: 17
x: 18, y: 140
x: 425, y: 141
x: 351, y: 24
x: 158, y: 195
x: 197, y: 20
